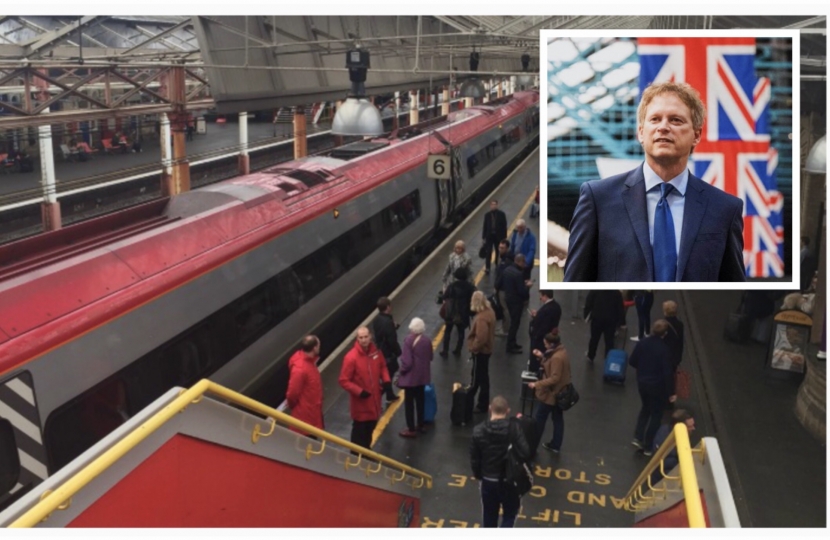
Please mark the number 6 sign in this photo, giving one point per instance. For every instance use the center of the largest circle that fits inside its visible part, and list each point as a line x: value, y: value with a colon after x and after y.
x: 438, y: 167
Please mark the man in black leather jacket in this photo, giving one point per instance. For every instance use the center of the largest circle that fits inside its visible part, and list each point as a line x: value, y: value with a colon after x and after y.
x: 386, y: 339
x: 488, y: 458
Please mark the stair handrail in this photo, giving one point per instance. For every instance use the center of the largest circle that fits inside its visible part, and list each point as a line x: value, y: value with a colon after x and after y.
x: 61, y: 497
x: 678, y: 438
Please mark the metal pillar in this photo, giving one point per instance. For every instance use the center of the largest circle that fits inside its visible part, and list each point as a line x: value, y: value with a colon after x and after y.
x: 500, y: 88
x: 166, y: 142
x: 180, y: 181
x: 512, y: 86
x: 50, y: 208
x: 487, y: 85
x: 244, y: 160
x: 468, y: 102
x: 445, y: 105
x: 413, y: 107
x: 300, y: 140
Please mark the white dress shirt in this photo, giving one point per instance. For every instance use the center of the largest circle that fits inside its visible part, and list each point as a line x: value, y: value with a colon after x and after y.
x: 676, y: 199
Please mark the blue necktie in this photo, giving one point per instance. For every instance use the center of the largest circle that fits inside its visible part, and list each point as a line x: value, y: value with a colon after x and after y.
x: 665, y: 252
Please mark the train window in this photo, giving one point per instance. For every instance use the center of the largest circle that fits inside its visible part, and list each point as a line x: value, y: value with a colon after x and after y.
x: 479, y: 160
x: 9, y: 460
x: 77, y: 425
x: 253, y: 315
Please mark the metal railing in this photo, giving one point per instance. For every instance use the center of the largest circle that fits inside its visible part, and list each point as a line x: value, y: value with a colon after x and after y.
x: 644, y: 494
x: 61, y: 498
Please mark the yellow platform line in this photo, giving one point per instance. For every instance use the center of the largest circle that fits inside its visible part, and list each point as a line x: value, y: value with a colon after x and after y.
x: 390, y: 412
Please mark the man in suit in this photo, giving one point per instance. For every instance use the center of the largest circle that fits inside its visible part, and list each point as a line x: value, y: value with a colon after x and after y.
x: 658, y: 222
x: 493, y: 232
x: 607, y: 313
x: 543, y: 321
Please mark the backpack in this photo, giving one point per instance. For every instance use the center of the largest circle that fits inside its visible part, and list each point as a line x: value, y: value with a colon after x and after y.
x: 518, y: 473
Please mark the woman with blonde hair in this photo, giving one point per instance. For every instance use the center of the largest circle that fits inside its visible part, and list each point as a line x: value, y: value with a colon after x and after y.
x: 480, y: 344
x: 459, y: 258
x: 415, y: 375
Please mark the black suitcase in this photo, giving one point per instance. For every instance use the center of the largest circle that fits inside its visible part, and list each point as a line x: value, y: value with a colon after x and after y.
x: 461, y: 412
x: 738, y: 327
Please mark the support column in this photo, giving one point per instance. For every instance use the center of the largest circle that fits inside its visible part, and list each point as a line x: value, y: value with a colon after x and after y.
x: 512, y: 86
x: 167, y: 186
x: 300, y: 140
x: 445, y: 105
x: 468, y: 102
x: 244, y: 160
x: 50, y: 208
x: 413, y: 107
x: 500, y: 89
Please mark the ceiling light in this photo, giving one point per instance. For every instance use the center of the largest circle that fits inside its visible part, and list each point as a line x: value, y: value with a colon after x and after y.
x: 473, y: 87
x: 817, y: 157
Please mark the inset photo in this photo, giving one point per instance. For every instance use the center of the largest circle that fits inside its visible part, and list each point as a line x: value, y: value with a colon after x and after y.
x: 669, y: 158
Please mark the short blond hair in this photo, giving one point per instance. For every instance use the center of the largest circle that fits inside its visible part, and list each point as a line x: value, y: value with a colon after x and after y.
x: 687, y: 94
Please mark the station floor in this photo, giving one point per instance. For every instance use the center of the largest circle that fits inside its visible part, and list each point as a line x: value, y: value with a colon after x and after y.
x: 764, y: 446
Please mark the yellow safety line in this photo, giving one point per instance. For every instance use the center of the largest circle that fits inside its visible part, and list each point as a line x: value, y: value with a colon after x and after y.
x: 63, y: 494
x: 390, y: 412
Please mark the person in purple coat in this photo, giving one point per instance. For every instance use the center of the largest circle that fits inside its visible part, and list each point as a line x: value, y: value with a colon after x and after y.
x: 414, y: 375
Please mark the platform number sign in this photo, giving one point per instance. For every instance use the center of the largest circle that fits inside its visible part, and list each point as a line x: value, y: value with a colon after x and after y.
x: 439, y: 167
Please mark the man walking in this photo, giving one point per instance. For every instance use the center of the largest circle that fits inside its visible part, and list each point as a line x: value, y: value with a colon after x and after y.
x: 363, y: 375
x: 516, y: 293
x: 542, y: 322
x: 386, y: 338
x: 488, y: 458
x: 504, y: 260
x: 493, y: 232
x: 305, y: 388
x: 606, y: 312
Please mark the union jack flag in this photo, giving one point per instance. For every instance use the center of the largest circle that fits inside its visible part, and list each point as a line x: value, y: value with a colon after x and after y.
x: 734, y: 153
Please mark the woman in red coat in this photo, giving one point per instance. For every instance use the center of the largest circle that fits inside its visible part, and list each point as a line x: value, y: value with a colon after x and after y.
x: 305, y: 388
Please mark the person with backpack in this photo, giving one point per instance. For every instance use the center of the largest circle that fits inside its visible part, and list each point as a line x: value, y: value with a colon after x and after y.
x: 492, y: 440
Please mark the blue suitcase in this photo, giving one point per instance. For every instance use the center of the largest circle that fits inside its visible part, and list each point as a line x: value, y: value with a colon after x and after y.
x: 430, y: 404
x: 615, y: 366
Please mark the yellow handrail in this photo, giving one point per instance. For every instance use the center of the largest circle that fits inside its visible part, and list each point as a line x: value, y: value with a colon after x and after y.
x: 53, y: 500
x: 678, y: 438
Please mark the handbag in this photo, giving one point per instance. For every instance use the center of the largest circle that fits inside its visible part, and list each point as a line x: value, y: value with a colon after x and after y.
x: 446, y: 309
x: 682, y: 384
x: 567, y: 397
x: 484, y: 250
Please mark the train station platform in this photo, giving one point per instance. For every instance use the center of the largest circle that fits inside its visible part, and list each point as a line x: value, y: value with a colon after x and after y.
x: 763, y: 446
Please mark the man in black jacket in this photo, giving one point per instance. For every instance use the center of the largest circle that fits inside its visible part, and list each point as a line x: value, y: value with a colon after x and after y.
x: 386, y: 339
x: 488, y: 458
x: 542, y: 322
x: 493, y: 232
x: 515, y: 288
x: 504, y: 261
x: 607, y: 313
x: 655, y: 381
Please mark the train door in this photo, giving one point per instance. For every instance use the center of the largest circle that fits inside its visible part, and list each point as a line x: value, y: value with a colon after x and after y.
x: 451, y: 191
x: 22, y: 454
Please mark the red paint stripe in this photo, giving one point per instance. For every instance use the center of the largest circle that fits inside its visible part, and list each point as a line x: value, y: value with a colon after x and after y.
x: 746, y: 114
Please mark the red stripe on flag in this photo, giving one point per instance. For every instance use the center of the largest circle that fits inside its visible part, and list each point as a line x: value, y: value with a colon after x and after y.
x: 760, y: 90
x: 735, y: 97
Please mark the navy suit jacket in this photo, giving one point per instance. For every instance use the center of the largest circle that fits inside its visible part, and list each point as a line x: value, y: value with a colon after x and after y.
x: 610, y: 239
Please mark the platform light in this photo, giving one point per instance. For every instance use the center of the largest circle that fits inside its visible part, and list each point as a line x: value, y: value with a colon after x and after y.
x: 357, y: 115
x: 473, y: 87
x: 817, y: 157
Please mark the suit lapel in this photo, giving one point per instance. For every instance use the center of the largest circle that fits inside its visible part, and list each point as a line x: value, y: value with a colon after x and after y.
x: 694, y: 208
x: 634, y: 198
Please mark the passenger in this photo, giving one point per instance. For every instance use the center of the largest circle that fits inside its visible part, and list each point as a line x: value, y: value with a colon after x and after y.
x: 606, y: 312
x: 523, y: 241
x: 305, y: 387
x: 385, y: 331
x: 542, y: 322
x: 459, y: 294
x: 458, y: 259
x: 415, y: 375
x: 655, y: 382
x: 515, y: 288
x: 504, y: 260
x: 480, y: 344
x: 674, y: 339
x: 557, y: 375
x: 643, y: 300
x: 493, y: 231
x: 677, y: 416
x: 488, y: 458
x: 364, y: 376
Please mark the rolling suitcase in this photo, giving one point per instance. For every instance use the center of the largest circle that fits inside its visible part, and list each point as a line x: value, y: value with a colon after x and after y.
x: 462, y: 405
x: 430, y: 404
x: 615, y: 366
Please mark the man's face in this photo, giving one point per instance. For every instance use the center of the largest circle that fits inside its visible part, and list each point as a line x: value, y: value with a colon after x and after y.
x: 364, y: 338
x: 502, y: 249
x: 494, y: 205
x: 521, y: 228
x: 666, y: 133
x: 459, y: 248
